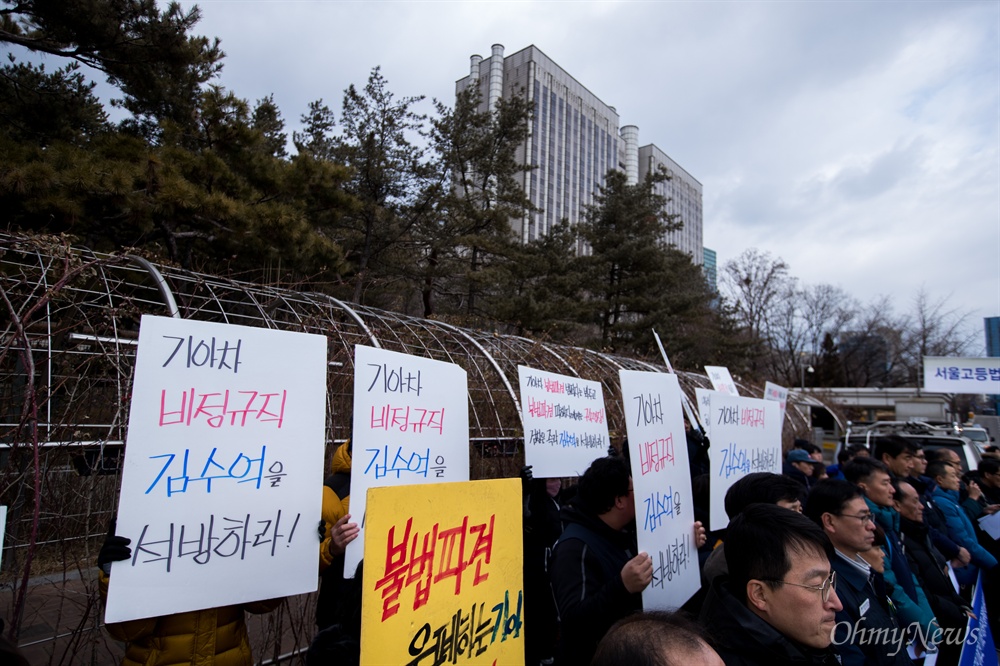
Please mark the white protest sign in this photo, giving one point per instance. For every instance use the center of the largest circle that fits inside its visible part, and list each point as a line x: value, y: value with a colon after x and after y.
x: 223, y: 474
x: 411, y: 425
x: 704, y: 398
x: 565, y: 423
x: 664, y: 510
x: 779, y: 394
x: 746, y: 437
x: 944, y: 374
x: 991, y: 525
x: 721, y: 379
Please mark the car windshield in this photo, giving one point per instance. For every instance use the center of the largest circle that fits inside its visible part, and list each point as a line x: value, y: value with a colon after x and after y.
x: 976, y: 435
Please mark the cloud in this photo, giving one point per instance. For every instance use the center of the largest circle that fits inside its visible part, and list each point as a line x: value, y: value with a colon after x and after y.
x: 858, y: 140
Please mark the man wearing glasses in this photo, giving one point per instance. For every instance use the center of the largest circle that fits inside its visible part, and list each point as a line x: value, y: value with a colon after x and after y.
x: 867, y: 629
x: 906, y: 592
x: 779, y: 603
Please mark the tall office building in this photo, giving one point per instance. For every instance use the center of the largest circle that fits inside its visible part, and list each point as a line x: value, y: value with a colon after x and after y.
x: 992, y: 326
x: 710, y: 269
x: 683, y: 195
x: 574, y: 139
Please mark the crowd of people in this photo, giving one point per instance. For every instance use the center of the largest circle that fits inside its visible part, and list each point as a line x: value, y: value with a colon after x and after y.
x: 868, y: 561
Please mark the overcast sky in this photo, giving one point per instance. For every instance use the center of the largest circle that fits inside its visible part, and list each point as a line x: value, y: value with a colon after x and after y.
x: 859, y: 141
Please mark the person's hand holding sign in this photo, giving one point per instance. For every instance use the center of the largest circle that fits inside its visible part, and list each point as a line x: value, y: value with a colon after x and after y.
x: 343, y: 533
x: 700, y: 536
x: 638, y: 573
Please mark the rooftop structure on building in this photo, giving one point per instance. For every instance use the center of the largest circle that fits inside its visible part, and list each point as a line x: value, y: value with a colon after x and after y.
x: 574, y: 139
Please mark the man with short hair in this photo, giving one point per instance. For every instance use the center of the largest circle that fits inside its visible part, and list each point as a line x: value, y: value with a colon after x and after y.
x: 763, y: 487
x: 839, y: 508
x: 846, y: 455
x: 596, y: 575
x: 815, y: 452
x: 989, y: 479
x: 779, y: 603
x: 959, y: 527
x: 930, y: 566
x: 933, y: 517
x: 872, y: 477
x: 897, y: 454
x: 655, y: 638
x: 917, y: 477
x: 945, y: 455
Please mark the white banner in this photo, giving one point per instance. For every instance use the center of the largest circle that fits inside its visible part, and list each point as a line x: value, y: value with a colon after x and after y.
x: 944, y: 374
x: 779, y: 394
x: 746, y: 437
x: 565, y: 423
x: 223, y: 474
x: 721, y: 379
x: 411, y: 425
x: 664, y: 510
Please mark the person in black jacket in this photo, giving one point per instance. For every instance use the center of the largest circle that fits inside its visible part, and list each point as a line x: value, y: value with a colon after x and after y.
x: 778, y: 605
x: 542, y: 529
x: 596, y: 575
x: 868, y: 632
x: 929, y: 564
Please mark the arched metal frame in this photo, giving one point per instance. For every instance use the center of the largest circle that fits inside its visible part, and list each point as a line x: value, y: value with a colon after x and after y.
x: 118, y: 294
x: 83, y: 344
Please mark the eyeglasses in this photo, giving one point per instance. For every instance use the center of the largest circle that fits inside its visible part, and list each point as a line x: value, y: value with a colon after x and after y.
x: 824, y: 590
x: 864, y: 517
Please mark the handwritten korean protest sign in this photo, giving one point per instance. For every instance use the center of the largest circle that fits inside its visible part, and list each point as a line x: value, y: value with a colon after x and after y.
x: 442, y: 575
x: 223, y: 476
x: 944, y: 374
x: 779, y: 394
x: 704, y: 398
x: 664, y: 512
x: 721, y: 379
x: 565, y: 423
x: 411, y: 426
x: 746, y: 437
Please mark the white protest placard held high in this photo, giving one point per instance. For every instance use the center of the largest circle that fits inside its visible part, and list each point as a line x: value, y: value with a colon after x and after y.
x: 565, y: 423
x: 944, y: 374
x: 661, y: 478
x: 779, y: 394
x: 223, y: 474
x: 746, y: 437
x: 411, y: 425
x: 721, y: 379
x: 704, y: 398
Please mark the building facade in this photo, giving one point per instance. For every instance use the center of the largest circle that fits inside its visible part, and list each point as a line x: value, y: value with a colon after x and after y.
x: 710, y: 268
x: 574, y: 139
x: 683, y: 194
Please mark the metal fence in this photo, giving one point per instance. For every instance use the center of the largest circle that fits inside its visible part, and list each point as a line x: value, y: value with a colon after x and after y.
x: 66, y: 359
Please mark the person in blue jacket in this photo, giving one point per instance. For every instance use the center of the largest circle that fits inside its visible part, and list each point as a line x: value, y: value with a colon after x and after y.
x: 872, y: 477
x: 959, y: 526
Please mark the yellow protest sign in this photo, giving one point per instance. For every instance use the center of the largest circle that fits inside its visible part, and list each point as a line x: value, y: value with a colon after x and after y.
x: 442, y: 574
